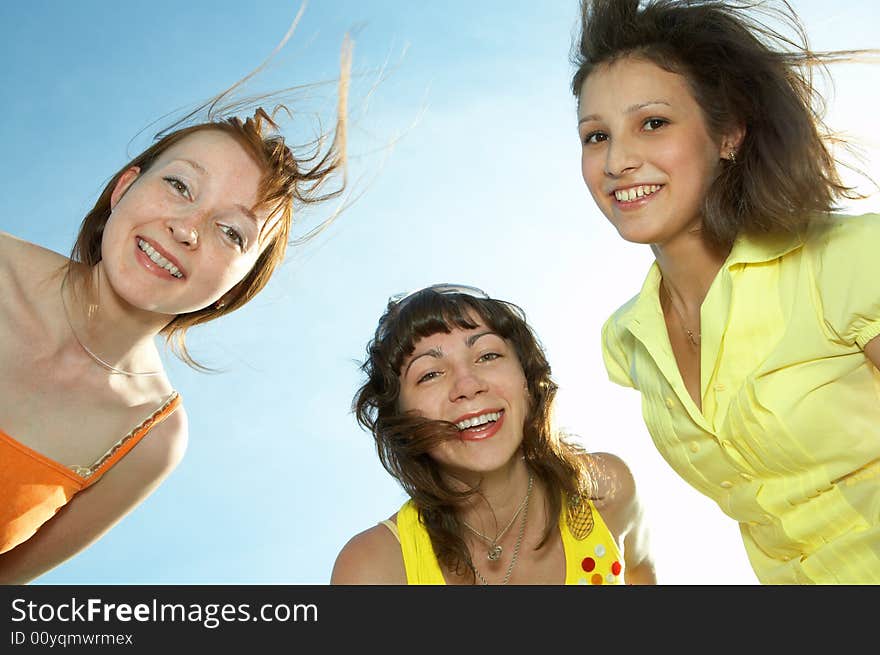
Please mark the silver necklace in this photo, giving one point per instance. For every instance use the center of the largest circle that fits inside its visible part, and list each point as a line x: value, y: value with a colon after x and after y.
x: 522, y: 530
x: 97, y: 359
x: 693, y: 338
x: 495, y: 550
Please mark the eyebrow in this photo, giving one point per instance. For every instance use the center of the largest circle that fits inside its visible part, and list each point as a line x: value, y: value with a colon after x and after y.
x: 201, y: 169
x: 628, y: 110
x: 195, y: 165
x: 438, y: 353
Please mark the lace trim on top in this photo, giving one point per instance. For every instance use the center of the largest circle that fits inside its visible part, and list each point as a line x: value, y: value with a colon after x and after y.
x: 88, y: 471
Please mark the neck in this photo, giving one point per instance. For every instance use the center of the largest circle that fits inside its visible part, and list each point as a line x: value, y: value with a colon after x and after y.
x: 500, y: 494
x: 115, y: 331
x: 688, y: 265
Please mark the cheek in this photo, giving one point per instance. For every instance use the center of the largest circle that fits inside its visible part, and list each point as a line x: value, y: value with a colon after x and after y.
x: 592, y: 171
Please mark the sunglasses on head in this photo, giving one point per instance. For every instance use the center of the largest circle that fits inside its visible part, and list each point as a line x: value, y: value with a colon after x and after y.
x: 444, y: 288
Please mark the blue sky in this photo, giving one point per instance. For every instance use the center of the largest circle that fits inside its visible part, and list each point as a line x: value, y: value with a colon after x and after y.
x: 465, y: 168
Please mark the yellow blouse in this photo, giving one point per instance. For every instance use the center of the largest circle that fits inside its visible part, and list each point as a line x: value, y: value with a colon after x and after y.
x: 788, y: 440
x: 591, y: 553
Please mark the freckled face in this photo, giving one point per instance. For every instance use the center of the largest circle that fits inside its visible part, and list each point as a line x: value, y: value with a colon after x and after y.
x: 183, y: 232
x: 647, y: 156
x: 472, y: 378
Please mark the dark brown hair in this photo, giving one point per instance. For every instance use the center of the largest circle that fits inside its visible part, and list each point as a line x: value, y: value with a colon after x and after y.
x: 291, y: 179
x: 742, y: 73
x: 403, y: 440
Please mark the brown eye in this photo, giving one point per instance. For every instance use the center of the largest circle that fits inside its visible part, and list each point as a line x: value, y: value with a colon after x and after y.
x: 595, y: 137
x: 430, y: 375
x: 654, y: 123
x: 178, y: 186
x: 233, y: 235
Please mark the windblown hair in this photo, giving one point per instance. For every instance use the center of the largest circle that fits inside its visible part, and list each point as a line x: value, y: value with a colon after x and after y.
x: 292, y: 178
x: 403, y: 440
x: 742, y: 73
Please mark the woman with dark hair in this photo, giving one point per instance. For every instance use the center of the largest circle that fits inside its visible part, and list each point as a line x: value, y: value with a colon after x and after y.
x: 459, y: 398
x: 754, y: 338
x: 186, y: 232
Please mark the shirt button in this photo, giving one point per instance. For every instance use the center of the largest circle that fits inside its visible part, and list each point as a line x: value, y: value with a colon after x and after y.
x: 726, y: 484
x: 670, y: 403
x: 695, y: 447
x: 720, y: 387
x: 746, y: 476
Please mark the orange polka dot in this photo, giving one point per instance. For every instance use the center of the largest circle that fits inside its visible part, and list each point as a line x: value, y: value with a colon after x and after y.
x: 596, y: 579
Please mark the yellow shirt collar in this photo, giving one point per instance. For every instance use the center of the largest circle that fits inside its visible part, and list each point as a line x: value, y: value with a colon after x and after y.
x: 747, y: 249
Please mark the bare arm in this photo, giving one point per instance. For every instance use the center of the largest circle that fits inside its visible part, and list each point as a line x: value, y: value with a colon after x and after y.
x: 872, y: 351
x: 372, y: 557
x: 93, y: 511
x: 624, y: 515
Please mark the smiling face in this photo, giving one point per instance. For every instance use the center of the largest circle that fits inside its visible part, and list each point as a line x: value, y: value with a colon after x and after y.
x: 183, y: 232
x: 647, y: 156
x: 473, y: 378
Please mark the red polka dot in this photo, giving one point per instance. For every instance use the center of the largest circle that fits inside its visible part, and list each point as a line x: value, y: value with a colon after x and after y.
x: 596, y: 579
x: 615, y: 568
x: 588, y: 564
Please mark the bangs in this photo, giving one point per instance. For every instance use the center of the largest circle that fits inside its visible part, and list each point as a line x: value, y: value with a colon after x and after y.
x: 429, y: 312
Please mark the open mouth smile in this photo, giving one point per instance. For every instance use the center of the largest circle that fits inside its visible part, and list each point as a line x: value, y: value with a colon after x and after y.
x: 481, y: 426
x: 158, y: 259
x: 635, y: 193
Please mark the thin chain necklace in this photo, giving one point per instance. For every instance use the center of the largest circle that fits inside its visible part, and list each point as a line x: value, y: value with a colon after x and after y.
x: 695, y: 339
x: 522, y: 530
x: 494, y: 552
x: 97, y: 359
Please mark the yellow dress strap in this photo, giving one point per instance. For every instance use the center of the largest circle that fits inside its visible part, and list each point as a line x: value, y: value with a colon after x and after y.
x: 419, y: 559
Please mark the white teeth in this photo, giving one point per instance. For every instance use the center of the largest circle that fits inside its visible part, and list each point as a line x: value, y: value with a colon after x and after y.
x: 478, y: 420
x: 159, y: 259
x: 627, y: 195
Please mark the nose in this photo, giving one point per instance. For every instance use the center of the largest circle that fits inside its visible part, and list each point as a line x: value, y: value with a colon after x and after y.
x: 185, y: 232
x: 621, y: 157
x: 467, y: 383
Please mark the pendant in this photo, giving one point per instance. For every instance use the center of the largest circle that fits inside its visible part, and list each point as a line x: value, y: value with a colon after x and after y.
x: 494, y: 553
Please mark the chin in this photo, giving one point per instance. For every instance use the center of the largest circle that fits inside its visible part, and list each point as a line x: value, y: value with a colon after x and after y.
x: 640, y: 234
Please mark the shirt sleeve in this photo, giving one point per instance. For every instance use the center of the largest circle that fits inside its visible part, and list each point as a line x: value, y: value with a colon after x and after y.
x: 847, y: 277
x: 615, y: 354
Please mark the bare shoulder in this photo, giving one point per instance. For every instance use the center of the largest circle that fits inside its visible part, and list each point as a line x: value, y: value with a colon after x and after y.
x: 163, y: 448
x: 371, y: 557
x: 152, y: 459
x: 27, y: 258
x: 615, y: 490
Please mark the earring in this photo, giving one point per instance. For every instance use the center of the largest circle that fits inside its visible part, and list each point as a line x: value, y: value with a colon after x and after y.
x: 731, y: 156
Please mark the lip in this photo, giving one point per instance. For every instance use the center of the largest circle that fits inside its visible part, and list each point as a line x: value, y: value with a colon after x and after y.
x: 152, y: 266
x: 480, y: 434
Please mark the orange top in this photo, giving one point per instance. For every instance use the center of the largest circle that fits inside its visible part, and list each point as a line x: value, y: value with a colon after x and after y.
x: 34, y: 487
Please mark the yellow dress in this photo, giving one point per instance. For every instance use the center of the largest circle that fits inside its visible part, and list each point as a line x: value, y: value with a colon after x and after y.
x: 591, y: 554
x: 788, y: 439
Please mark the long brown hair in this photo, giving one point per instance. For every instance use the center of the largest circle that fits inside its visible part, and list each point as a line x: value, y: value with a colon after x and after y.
x: 404, y: 440
x: 292, y: 178
x: 742, y: 73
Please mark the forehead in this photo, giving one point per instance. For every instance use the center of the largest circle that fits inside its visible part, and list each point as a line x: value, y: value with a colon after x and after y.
x: 627, y: 83
x: 218, y: 153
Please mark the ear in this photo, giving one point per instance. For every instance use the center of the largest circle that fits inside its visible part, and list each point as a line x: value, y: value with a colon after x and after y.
x: 731, y: 141
x: 125, y: 180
